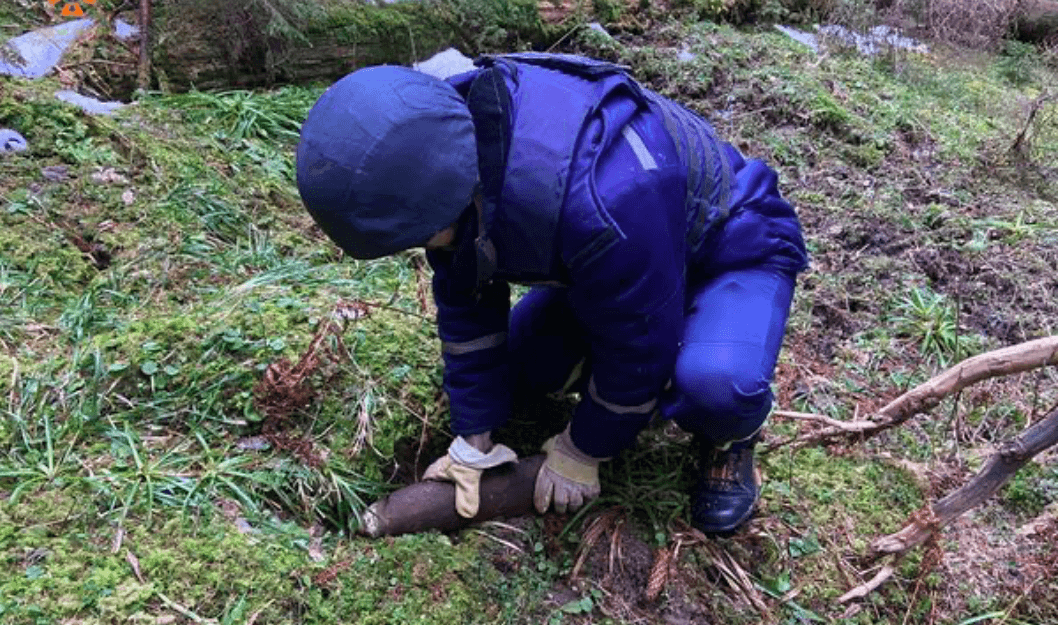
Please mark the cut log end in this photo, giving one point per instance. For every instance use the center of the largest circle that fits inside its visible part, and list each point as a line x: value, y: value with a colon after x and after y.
x: 506, y: 491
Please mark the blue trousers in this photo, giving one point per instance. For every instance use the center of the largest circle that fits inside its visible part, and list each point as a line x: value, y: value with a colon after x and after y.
x: 721, y: 379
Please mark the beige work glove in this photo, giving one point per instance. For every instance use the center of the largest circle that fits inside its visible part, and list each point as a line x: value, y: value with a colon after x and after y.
x: 569, y: 477
x: 463, y: 464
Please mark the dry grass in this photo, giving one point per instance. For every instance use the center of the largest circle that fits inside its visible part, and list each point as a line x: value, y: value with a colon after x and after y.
x: 977, y: 24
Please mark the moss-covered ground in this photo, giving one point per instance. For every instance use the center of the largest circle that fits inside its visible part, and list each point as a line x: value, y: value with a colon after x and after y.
x: 199, y: 394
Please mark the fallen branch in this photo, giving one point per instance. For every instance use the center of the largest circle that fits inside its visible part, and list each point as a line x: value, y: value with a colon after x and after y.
x: 923, y: 398
x: 927, y: 523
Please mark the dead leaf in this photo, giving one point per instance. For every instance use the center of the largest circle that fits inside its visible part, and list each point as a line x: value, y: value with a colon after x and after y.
x: 109, y: 175
x: 55, y: 173
x: 119, y: 537
x: 659, y: 573
x: 253, y: 443
x: 244, y: 526
x: 316, y: 550
x: 134, y: 562
x: 351, y: 309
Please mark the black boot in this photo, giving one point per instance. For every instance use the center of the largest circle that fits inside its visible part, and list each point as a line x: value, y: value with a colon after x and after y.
x: 727, y: 488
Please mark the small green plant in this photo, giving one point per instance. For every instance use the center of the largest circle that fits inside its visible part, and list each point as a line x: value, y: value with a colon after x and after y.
x: 606, y: 11
x: 36, y: 459
x: 243, y: 114
x: 929, y: 319
x: 582, y: 607
x: 140, y: 477
x: 1017, y: 63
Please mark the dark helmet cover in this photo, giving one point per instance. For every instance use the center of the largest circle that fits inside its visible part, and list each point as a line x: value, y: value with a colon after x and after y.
x: 387, y: 158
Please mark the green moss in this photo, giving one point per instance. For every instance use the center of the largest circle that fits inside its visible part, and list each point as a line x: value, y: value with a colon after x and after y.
x: 880, y: 497
x: 1031, y: 490
x: 75, y: 573
x: 66, y: 569
x: 414, y: 579
x: 39, y: 253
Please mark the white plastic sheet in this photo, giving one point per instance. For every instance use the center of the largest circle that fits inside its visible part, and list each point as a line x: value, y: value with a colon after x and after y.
x: 444, y: 64
x: 35, y: 53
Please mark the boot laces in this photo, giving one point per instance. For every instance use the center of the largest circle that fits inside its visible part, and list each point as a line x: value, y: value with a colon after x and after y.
x: 722, y: 472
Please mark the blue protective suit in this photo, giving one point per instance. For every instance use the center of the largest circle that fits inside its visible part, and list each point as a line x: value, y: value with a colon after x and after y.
x: 661, y: 254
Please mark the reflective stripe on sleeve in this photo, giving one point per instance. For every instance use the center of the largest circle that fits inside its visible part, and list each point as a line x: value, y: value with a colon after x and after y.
x: 646, y: 159
x: 485, y: 342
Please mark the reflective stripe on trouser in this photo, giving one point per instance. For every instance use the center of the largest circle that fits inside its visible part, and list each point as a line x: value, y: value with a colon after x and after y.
x: 465, y: 347
x: 732, y: 335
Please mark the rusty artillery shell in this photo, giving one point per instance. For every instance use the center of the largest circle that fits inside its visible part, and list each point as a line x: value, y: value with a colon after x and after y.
x: 506, y: 491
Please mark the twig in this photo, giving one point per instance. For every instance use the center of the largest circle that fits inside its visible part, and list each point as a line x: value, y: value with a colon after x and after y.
x: 846, y: 426
x: 398, y: 310
x: 1018, y: 146
x: 564, y: 37
x: 134, y: 562
x: 730, y: 570
x: 176, y: 607
x: 505, y: 543
x: 866, y: 588
x: 14, y: 395
x: 143, y: 77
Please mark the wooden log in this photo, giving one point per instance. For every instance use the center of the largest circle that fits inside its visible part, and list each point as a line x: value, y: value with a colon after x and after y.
x: 506, y: 491
x: 204, y: 48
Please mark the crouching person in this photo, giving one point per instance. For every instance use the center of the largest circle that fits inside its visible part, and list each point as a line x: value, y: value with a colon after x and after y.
x: 663, y: 261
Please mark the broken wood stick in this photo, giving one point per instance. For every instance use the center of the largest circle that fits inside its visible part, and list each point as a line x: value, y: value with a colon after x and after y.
x: 506, y: 491
x: 867, y: 587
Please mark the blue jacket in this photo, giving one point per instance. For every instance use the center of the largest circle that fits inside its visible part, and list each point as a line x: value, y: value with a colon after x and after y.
x: 574, y: 196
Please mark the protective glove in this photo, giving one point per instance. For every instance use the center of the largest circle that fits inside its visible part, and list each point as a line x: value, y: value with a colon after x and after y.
x: 463, y: 464
x: 569, y: 477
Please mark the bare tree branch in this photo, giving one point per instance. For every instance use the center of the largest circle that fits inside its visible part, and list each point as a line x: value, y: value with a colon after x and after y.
x: 1001, y: 362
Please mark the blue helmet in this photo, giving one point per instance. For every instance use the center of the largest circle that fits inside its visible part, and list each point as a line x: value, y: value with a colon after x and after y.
x: 387, y: 159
